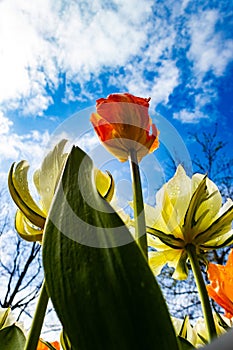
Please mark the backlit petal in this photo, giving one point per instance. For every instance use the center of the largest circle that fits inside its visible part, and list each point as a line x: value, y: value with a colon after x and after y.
x: 221, y: 287
x: 46, y: 178
x: 211, y: 205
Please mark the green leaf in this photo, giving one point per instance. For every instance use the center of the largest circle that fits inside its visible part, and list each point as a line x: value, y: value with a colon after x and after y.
x: 12, y: 338
x: 97, y: 277
x: 185, y: 344
x: 65, y: 342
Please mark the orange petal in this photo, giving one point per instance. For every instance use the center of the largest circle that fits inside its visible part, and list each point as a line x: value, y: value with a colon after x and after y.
x: 42, y: 346
x: 221, y: 287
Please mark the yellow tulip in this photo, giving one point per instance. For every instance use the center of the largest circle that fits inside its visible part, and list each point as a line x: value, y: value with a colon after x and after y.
x: 188, y: 211
x: 30, y: 217
x: 196, y: 334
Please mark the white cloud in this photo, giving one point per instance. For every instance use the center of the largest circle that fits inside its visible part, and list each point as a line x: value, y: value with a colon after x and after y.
x: 15, y: 147
x: 5, y: 124
x: 209, y: 50
x: 189, y: 117
x: 40, y: 40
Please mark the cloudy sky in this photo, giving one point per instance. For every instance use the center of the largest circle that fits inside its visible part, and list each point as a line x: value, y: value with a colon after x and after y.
x: 57, y: 57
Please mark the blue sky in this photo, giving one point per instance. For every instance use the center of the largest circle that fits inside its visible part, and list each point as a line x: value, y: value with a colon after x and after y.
x: 57, y: 57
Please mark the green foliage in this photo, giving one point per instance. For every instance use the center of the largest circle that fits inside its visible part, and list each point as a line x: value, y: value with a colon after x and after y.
x: 11, y: 338
x: 97, y: 277
x: 185, y: 344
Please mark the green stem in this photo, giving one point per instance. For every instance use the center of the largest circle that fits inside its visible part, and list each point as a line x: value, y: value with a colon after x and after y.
x: 201, y: 287
x: 139, y: 214
x: 38, y: 319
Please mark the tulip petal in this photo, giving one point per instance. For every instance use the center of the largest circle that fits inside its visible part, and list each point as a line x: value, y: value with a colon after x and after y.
x: 179, y: 192
x: 168, y: 212
x: 104, y: 184
x: 181, y: 268
x: 221, y: 287
x: 210, y: 204
x: 25, y: 230
x: 171, y: 257
x: 191, y: 220
x: 157, y: 260
x: 218, y: 228
x: 228, y: 204
x: 154, y: 218
x: 219, y: 242
x: 46, y: 178
x: 18, y: 187
x: 168, y: 239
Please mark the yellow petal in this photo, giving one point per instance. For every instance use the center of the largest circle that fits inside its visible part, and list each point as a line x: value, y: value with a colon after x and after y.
x: 191, y: 221
x: 227, y: 205
x: 154, y: 218
x: 223, y: 240
x: 179, y: 192
x: 168, y: 239
x: 156, y: 243
x: 46, y: 178
x: 104, y: 184
x: 168, y: 212
x: 210, y: 204
x: 18, y: 187
x: 218, y: 228
x: 160, y: 258
x: 25, y: 229
x: 180, y: 266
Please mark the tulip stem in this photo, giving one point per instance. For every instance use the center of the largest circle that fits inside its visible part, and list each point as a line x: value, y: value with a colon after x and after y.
x: 138, y: 205
x: 38, y: 319
x: 201, y: 287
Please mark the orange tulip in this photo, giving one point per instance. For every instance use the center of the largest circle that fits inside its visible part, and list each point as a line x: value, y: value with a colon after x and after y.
x: 42, y: 346
x: 123, y: 124
x: 221, y: 287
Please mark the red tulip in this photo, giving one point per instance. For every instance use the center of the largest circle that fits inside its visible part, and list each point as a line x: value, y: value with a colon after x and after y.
x: 123, y: 124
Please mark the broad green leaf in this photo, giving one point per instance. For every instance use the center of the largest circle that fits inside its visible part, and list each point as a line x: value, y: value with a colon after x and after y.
x: 98, y: 279
x: 12, y: 338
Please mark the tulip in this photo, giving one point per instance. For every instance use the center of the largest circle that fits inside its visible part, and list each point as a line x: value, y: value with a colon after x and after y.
x: 42, y: 345
x: 188, y: 212
x: 30, y: 217
x: 221, y: 287
x: 189, y: 220
x: 123, y: 124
